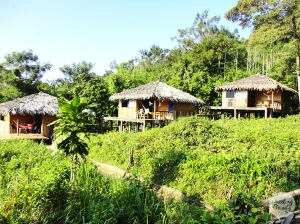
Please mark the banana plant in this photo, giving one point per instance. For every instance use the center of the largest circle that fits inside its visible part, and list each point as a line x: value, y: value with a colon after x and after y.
x: 72, y: 129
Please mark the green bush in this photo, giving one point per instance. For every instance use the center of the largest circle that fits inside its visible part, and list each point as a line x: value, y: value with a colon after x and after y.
x: 33, y: 183
x: 35, y: 188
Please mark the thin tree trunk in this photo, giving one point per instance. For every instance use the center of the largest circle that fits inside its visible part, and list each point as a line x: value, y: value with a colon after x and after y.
x: 298, y: 65
x: 263, y: 63
x: 224, y: 63
x: 236, y: 60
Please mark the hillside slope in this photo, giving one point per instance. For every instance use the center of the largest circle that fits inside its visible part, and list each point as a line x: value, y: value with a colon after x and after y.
x: 211, y: 160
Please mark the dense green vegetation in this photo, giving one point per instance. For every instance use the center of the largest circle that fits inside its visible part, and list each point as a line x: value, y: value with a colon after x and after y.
x: 35, y: 188
x: 231, y: 164
x: 211, y: 160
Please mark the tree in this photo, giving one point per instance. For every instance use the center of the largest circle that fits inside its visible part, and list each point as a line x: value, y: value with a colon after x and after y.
x: 203, y: 27
x: 96, y: 91
x: 79, y: 72
x: 272, y: 22
x: 76, y: 75
x: 209, y: 54
x: 73, y: 128
x: 23, y: 71
x: 8, y: 89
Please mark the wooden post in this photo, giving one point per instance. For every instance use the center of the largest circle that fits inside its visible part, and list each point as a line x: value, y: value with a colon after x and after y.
x: 222, y: 115
x: 17, y: 125
x: 144, y: 126
x: 266, y: 112
x: 272, y: 99
x: 129, y: 125
x: 271, y: 113
x: 111, y: 125
x: 137, y: 127
x: 101, y: 125
x: 298, y: 77
x: 234, y: 113
x: 154, y: 110
x: 120, y: 124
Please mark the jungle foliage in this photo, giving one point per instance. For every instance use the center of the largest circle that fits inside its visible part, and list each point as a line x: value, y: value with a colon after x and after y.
x: 208, y: 55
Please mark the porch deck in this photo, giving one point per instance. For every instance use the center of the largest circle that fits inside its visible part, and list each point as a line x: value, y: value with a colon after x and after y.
x: 23, y: 136
x: 137, y: 121
x: 236, y: 111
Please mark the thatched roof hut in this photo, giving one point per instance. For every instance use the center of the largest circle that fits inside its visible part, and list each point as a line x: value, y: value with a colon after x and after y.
x: 157, y: 90
x: 256, y: 82
x: 39, y: 103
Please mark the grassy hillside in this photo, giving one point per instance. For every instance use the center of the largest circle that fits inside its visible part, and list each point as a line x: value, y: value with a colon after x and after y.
x: 211, y: 160
x: 35, y: 188
x: 217, y: 161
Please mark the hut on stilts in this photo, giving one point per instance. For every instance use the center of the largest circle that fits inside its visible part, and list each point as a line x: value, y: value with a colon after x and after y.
x: 153, y: 103
x: 258, y: 94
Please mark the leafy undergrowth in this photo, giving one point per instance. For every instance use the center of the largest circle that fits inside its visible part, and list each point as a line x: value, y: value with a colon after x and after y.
x: 232, y: 164
x: 211, y: 160
x: 35, y: 188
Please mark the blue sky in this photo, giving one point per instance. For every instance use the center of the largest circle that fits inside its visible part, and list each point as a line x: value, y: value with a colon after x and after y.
x: 63, y: 32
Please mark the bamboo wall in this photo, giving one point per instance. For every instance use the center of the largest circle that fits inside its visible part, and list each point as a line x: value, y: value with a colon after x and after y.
x: 261, y: 99
x: 240, y: 99
x: 184, y: 107
x: 5, y: 124
x: 179, y: 109
x: 47, y: 119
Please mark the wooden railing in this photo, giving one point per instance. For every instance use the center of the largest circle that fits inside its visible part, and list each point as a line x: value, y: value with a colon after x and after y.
x: 269, y: 104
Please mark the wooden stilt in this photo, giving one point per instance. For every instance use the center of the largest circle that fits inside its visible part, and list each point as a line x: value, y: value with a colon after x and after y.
x: 266, y: 112
x: 101, y: 126
x: 111, y: 125
x: 120, y: 124
x: 271, y: 113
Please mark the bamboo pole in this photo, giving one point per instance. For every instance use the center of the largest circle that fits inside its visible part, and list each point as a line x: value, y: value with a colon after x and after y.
x: 280, y: 197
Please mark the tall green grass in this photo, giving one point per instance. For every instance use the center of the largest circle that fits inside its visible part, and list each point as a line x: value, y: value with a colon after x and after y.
x: 212, y: 160
x: 35, y: 188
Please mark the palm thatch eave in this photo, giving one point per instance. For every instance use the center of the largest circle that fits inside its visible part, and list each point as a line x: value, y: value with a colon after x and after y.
x: 39, y: 103
x: 157, y: 90
x: 256, y: 82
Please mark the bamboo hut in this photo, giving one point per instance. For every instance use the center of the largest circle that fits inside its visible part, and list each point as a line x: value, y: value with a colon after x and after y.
x: 154, y: 102
x: 255, y: 93
x: 39, y: 109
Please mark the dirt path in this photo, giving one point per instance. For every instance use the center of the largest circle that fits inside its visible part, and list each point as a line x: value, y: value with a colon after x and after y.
x: 163, y: 191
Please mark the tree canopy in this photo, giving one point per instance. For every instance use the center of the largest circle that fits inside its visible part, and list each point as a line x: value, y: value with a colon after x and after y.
x: 207, y: 55
x: 21, y: 73
x: 273, y: 22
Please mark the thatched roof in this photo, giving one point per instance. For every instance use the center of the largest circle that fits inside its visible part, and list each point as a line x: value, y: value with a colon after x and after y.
x: 39, y: 103
x: 256, y: 82
x: 157, y: 90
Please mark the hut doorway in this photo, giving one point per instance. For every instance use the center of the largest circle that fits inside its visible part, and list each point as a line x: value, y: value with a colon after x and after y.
x: 251, y: 98
x: 38, y: 120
